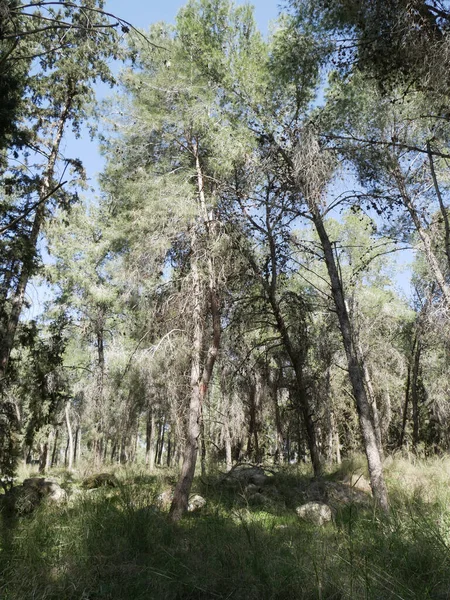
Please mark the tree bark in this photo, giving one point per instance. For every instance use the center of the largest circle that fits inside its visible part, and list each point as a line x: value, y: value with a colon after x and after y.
x: 206, y: 301
x: 69, y: 437
x: 150, y: 439
x: 355, y: 369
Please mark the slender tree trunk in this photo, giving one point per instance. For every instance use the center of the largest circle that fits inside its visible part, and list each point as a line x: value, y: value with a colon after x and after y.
x: 295, y: 355
x: 162, y: 433
x: 69, y: 437
x: 75, y: 445
x: 252, y: 435
x: 203, y: 446
x: 200, y: 375
x: 55, y: 449
x: 150, y: 439
x: 415, y: 394
x: 279, y: 457
x: 430, y: 256
x: 355, y: 369
x: 48, y: 458
x: 98, y: 453
x: 407, y: 395
x: 374, y: 407
x: 442, y: 207
x: 228, y: 453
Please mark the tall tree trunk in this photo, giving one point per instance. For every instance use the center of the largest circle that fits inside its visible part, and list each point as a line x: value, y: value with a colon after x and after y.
x: 203, y: 446
x: 279, y: 443
x: 373, y: 406
x: 98, y: 452
x: 162, y: 434
x: 150, y: 439
x: 415, y: 394
x: 206, y: 300
x: 69, y: 437
x: 75, y: 445
x: 355, y: 369
x: 228, y: 453
x: 55, y: 449
x: 442, y: 207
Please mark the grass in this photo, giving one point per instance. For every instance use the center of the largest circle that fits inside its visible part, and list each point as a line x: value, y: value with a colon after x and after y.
x: 111, y: 544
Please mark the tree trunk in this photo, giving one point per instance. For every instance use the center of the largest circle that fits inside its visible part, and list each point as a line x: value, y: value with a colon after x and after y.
x: 430, y: 256
x: 69, y: 437
x: 203, y: 295
x: 442, y: 207
x: 203, y: 446
x: 355, y: 369
x: 75, y: 445
x: 55, y: 449
x: 150, y: 439
x: 279, y: 443
x: 415, y: 394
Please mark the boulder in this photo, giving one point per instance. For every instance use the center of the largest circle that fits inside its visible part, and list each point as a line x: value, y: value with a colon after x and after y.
x: 24, y: 499
x: 316, y: 513
x: 100, y: 480
x: 248, y: 474
x: 164, y: 500
x: 196, y: 503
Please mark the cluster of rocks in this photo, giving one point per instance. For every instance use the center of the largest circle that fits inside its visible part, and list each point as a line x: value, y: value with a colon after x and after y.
x: 253, y: 484
x: 24, y: 499
x: 321, y: 498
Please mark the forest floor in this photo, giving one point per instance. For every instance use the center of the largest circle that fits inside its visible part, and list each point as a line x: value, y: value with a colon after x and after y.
x: 113, y: 543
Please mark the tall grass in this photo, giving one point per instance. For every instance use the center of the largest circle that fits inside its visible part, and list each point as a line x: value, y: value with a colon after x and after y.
x: 113, y: 544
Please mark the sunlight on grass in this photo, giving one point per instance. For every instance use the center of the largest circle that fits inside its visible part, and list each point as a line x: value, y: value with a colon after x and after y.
x: 115, y: 544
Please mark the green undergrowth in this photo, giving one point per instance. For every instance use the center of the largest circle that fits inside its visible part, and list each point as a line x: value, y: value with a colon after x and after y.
x: 115, y: 544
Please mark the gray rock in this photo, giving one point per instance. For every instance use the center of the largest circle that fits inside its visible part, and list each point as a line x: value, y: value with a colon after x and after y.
x: 196, y: 503
x: 316, y: 513
x: 48, y: 489
x: 164, y: 500
x: 247, y: 474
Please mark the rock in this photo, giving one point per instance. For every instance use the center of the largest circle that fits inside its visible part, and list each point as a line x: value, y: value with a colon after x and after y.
x: 22, y: 500
x: 25, y: 498
x: 164, y: 500
x: 358, y: 482
x: 339, y: 494
x: 50, y: 490
x: 316, y: 513
x: 196, y: 503
x: 100, y: 480
x: 247, y: 474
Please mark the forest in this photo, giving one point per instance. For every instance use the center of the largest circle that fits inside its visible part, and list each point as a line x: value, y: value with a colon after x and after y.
x: 232, y: 379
